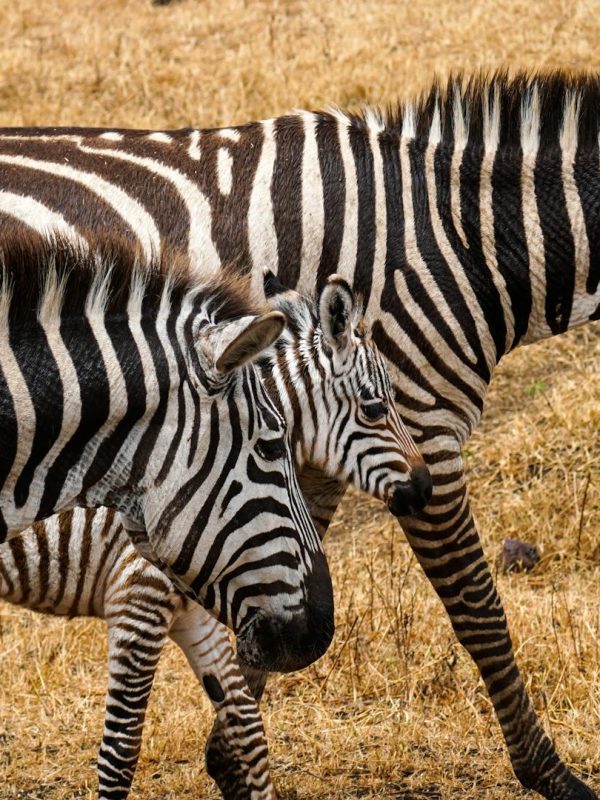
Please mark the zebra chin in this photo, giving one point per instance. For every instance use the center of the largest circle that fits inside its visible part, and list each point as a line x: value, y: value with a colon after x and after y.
x: 292, y: 639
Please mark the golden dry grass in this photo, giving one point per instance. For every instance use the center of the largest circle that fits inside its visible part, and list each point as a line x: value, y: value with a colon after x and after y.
x: 395, y: 708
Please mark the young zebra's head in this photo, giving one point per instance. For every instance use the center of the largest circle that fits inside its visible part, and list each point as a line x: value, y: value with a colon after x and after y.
x: 131, y: 384
x: 334, y: 389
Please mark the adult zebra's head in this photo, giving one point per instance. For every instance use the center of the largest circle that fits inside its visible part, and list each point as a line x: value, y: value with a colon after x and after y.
x: 237, y: 534
x: 335, y: 387
x: 130, y: 383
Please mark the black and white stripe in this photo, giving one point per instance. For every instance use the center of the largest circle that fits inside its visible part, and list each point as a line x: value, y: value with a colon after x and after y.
x: 332, y: 388
x: 132, y: 386
x: 82, y: 563
x: 468, y: 221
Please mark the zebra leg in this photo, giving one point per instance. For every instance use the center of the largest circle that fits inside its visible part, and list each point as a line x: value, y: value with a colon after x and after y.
x: 225, y: 748
x: 134, y: 651
x: 237, y: 754
x: 446, y: 543
x: 322, y: 495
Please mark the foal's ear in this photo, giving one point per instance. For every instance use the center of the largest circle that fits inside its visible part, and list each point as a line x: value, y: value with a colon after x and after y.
x: 336, y: 311
x: 246, y: 339
x: 279, y: 295
x: 272, y: 286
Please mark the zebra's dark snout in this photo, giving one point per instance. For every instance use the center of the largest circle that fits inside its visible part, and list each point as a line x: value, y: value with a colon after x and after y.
x: 410, y: 497
x: 293, y: 640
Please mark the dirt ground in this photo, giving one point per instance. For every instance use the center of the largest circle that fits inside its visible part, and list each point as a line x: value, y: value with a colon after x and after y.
x: 395, y: 709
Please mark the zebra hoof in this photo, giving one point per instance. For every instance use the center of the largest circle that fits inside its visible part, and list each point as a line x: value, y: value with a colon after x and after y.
x: 571, y: 789
x: 562, y: 786
x: 224, y: 768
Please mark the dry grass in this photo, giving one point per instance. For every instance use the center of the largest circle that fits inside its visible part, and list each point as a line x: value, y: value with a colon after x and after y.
x: 395, y: 709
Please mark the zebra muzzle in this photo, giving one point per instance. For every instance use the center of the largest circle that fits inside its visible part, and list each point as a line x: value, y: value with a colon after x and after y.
x: 291, y: 640
x: 411, y: 497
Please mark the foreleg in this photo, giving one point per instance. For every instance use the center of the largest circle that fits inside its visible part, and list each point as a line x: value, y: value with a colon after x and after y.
x: 237, y: 754
x: 134, y: 650
x: 445, y: 540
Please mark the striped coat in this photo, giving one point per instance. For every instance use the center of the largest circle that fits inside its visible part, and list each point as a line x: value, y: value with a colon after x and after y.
x: 133, y: 387
x: 468, y: 221
x: 332, y: 387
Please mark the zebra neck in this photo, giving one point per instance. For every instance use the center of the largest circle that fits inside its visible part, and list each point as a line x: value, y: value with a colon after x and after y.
x: 72, y: 402
x: 527, y: 233
x: 495, y: 245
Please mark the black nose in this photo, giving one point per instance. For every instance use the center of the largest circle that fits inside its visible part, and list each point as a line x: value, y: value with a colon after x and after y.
x: 283, y: 644
x: 411, y: 497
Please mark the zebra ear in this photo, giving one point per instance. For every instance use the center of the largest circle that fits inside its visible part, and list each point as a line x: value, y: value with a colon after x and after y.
x: 246, y: 339
x: 272, y: 285
x: 336, y: 310
x: 279, y: 295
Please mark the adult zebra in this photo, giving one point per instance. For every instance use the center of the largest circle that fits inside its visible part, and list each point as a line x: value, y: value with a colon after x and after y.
x: 331, y: 386
x: 469, y: 223
x: 131, y: 385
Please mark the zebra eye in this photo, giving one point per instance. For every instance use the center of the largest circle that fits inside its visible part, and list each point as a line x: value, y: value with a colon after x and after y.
x: 375, y: 411
x: 271, y: 449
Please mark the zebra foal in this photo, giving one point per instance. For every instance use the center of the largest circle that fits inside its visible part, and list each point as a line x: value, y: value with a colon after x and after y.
x: 330, y: 384
x: 468, y: 220
x: 133, y: 387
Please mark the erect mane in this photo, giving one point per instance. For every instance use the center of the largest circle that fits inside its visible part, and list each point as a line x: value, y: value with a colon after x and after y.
x: 301, y: 313
x: 67, y: 275
x: 463, y: 108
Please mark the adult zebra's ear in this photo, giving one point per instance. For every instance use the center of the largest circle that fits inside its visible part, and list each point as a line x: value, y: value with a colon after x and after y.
x: 245, y: 339
x: 336, y: 311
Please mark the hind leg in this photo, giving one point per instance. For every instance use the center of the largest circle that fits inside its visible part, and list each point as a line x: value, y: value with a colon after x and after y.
x: 134, y: 651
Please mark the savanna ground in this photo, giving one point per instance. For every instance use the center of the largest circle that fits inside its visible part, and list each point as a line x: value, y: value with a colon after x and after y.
x: 395, y: 709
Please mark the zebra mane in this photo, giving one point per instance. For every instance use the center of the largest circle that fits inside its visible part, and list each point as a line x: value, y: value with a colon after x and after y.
x: 41, y: 277
x: 473, y: 111
x: 301, y: 313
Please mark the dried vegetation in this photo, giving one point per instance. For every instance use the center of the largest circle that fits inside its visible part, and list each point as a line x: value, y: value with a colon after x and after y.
x: 395, y: 709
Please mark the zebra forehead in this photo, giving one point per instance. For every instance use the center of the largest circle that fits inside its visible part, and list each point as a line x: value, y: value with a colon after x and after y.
x: 366, y: 365
x: 361, y: 360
